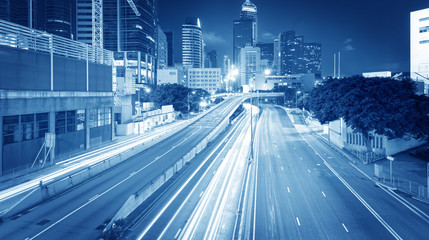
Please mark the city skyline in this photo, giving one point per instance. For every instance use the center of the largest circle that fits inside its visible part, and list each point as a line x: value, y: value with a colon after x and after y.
x: 356, y: 30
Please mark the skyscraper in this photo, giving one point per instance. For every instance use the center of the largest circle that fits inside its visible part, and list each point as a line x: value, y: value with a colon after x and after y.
x: 170, y: 41
x: 249, y: 12
x: 162, y: 49
x: 267, y: 52
x: 59, y: 18
x: 250, y: 58
x: 244, y: 29
x: 313, y: 58
x: 53, y: 16
x: 84, y: 21
x: 212, y: 56
x: 192, y: 43
x: 276, y: 57
x: 299, y: 57
x: 132, y: 28
x: 419, y: 45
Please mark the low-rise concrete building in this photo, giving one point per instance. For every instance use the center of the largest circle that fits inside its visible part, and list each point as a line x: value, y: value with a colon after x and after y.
x: 208, y: 79
x: 51, y: 88
x: 344, y: 137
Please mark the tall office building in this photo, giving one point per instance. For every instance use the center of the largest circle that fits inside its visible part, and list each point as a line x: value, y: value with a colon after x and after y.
x: 249, y: 58
x: 212, y: 59
x: 132, y: 28
x: 249, y: 11
x: 170, y: 42
x: 267, y: 52
x: 244, y: 29
x: 313, y: 58
x: 84, y: 21
x: 162, y: 49
x: 19, y: 12
x: 276, y: 57
x: 192, y: 43
x: 53, y: 16
x: 297, y: 57
x: 419, y: 44
x: 60, y: 18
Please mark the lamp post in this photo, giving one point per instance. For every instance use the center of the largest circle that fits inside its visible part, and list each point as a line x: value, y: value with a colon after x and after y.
x: 189, y: 105
x: 296, y: 98
x: 251, y: 118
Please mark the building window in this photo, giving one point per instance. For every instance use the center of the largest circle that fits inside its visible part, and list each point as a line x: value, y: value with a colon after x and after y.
x: 27, y: 126
x: 71, y: 121
x: 60, y: 122
x: 42, y: 125
x: 93, y: 120
x: 11, y: 133
x: 80, y: 120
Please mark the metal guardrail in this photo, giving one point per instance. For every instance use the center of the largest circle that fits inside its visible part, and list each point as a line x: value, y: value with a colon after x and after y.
x: 17, y: 36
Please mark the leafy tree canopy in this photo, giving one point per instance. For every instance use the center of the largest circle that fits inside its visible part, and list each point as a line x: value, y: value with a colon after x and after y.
x: 176, y: 95
x: 381, y: 105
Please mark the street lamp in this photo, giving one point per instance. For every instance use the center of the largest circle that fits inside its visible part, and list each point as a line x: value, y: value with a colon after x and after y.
x: 189, y: 105
x: 296, y: 98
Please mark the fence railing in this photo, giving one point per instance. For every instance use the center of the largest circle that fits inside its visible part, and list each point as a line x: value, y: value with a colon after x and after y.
x: 17, y: 36
x: 405, y: 185
x: 367, y: 157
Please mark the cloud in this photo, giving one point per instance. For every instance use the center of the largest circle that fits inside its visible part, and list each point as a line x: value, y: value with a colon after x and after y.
x: 348, y: 40
x: 268, y: 36
x: 348, y: 48
x: 213, y: 38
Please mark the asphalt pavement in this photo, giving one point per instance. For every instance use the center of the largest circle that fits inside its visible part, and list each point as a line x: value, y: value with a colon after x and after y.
x: 307, y: 190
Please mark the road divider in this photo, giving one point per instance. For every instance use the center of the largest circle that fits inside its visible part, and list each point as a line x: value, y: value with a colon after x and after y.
x: 147, y: 190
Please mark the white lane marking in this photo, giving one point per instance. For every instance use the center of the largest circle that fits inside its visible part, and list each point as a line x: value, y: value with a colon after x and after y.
x: 367, y: 206
x: 288, y: 190
x: 278, y: 155
x: 297, y: 220
x: 281, y: 168
x: 177, y: 234
x: 323, y: 194
x: 407, y: 204
x: 185, y: 184
x: 318, y: 164
x: 97, y: 196
x: 300, y: 158
x: 201, y: 194
x: 93, y: 198
x: 132, y: 174
x: 214, y: 172
x: 308, y: 170
x: 345, y: 227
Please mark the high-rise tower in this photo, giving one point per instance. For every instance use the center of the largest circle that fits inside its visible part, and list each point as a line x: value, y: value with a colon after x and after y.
x: 192, y: 43
x: 244, y: 29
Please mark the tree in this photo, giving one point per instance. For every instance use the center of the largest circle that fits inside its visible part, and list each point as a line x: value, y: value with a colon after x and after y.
x: 171, y: 94
x: 382, y: 106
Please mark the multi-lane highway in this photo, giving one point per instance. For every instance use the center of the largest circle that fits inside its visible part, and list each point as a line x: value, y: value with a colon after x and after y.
x: 296, y: 187
x: 306, y: 190
x: 82, y: 212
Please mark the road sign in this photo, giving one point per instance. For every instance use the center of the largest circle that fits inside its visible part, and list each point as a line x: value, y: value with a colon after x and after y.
x: 390, y: 158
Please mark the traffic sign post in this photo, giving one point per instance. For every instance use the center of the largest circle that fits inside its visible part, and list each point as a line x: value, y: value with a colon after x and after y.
x: 391, y: 159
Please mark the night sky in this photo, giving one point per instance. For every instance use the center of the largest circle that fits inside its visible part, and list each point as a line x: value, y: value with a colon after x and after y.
x: 372, y: 35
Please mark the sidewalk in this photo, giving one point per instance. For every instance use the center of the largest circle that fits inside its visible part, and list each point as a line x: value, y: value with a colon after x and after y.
x: 409, y: 172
